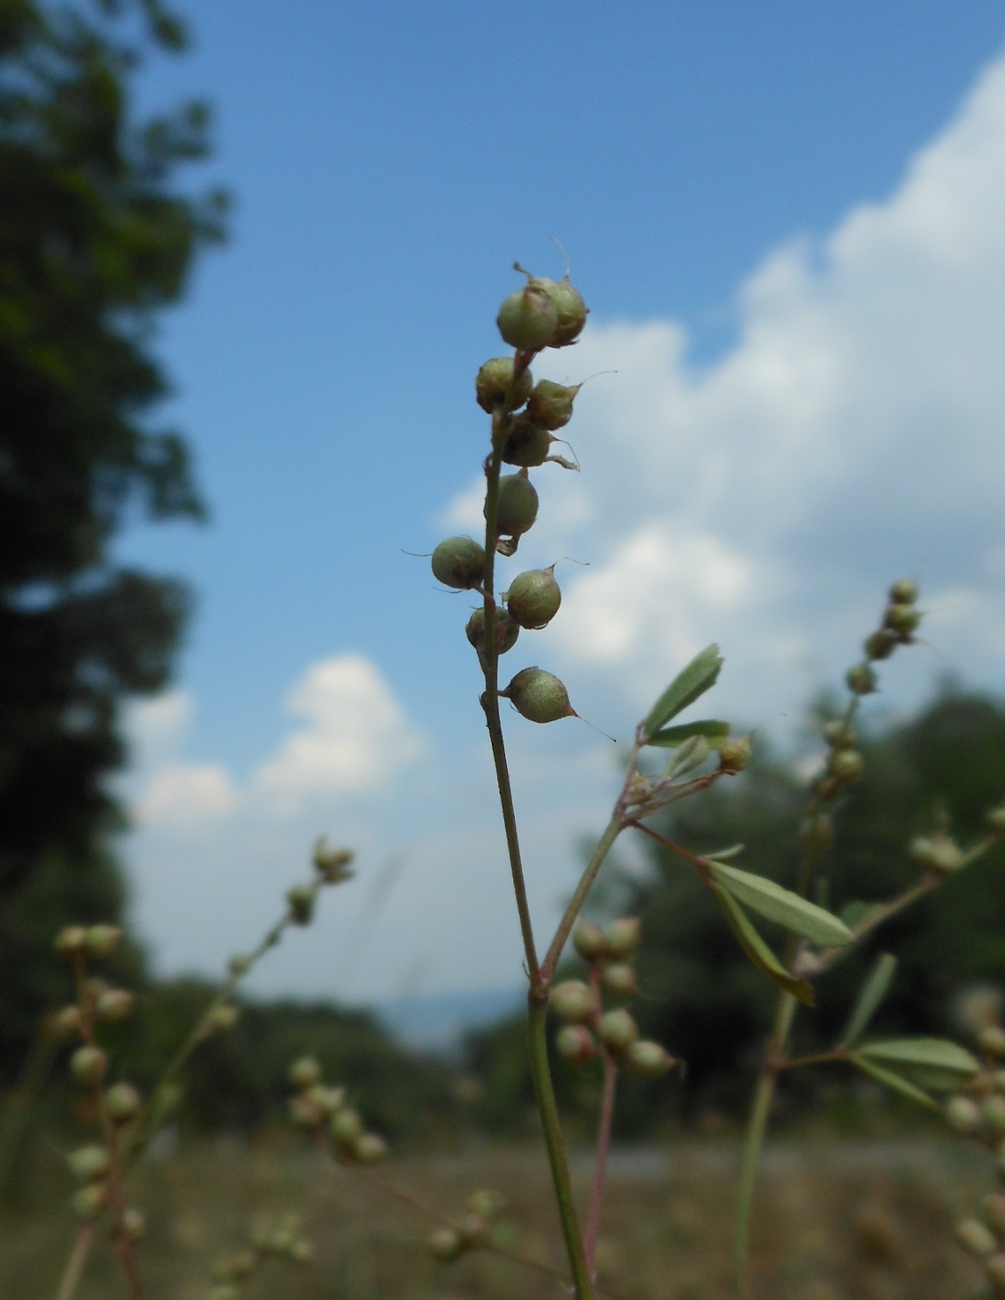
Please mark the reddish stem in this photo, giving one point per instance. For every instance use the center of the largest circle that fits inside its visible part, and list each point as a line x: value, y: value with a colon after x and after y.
x: 600, y: 1169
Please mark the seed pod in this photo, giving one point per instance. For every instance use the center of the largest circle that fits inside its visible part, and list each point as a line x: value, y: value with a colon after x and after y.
x: 459, y: 562
x: 474, y: 1230
x: 526, y: 443
x: 618, y: 978
x: 861, y: 679
x: 991, y: 1041
x: 486, y: 1204
x: 66, y: 1023
x: 904, y: 592
x: 133, y: 1224
x: 963, y: 1114
x: 301, y: 901
x: 506, y: 630
x: 369, y: 1149
x: 222, y: 1018
x: 115, y: 1005
x: 617, y: 1031
x: 649, y: 1060
x: 89, y: 1065
x: 624, y: 936
x: 102, y: 940
x: 71, y: 941
x: 575, y: 1044
x: 937, y: 852
x: 528, y: 319
x: 734, y: 754
x: 976, y: 1238
x: 880, y: 645
x: 994, y: 819
x: 304, y: 1072
x: 571, y: 310
x: 539, y: 696
x: 445, y: 1245
x: 534, y: 598
x: 326, y: 1101
x: 332, y: 865
x: 550, y: 404
x: 846, y: 765
x: 817, y: 832
x: 122, y: 1103
x: 239, y: 964
x: 88, y: 1202
x: 839, y: 735
x: 493, y: 382
x: 517, y: 505
x: 589, y: 940
x: 573, y: 1001
x: 87, y: 1164
x: 902, y: 619
x: 346, y: 1126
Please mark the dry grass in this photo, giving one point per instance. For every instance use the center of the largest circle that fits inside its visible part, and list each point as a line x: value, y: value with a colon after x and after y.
x: 843, y: 1221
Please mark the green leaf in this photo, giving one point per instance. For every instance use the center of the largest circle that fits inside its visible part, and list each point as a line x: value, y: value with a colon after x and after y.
x: 853, y: 914
x: 871, y: 994
x: 715, y: 733
x: 758, y: 951
x: 689, y: 684
x: 935, y: 1063
x: 898, y: 1083
x: 782, y: 905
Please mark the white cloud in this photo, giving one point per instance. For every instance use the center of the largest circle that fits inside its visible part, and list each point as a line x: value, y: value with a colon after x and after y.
x: 188, y: 795
x: 355, y: 738
x: 852, y: 435
x: 156, y: 727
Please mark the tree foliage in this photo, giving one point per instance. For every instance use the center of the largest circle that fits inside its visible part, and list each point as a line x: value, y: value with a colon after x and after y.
x: 95, y: 239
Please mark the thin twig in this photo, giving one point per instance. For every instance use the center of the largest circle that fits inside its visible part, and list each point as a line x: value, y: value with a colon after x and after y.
x: 600, y: 1169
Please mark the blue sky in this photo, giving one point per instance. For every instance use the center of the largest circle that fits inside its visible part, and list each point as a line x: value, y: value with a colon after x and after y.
x: 789, y: 221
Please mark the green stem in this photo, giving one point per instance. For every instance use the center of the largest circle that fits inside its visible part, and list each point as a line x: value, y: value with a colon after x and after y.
x: 76, y: 1261
x: 757, y: 1125
x: 604, y: 845
x: 555, y: 1143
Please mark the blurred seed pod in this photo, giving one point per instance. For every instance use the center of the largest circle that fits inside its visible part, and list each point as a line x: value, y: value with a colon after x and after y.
x: 649, y: 1060
x: 493, y: 382
x: 575, y: 1044
x: 573, y: 1001
x: 459, y: 562
x: 617, y: 1030
x: 89, y: 1065
x: 122, y: 1103
x: 304, y: 1072
x: 102, y: 940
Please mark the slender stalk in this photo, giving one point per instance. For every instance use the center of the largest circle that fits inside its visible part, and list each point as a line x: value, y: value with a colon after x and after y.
x: 600, y: 1169
x: 604, y: 845
x: 76, y: 1260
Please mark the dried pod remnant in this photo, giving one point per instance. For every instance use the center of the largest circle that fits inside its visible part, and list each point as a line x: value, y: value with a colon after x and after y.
x: 550, y: 405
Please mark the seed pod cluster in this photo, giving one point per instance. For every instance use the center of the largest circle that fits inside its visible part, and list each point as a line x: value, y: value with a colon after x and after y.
x: 324, y: 1112
x: 587, y: 1027
x: 475, y: 1228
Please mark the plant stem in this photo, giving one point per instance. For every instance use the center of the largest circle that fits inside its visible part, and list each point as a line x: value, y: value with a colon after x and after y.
x: 600, y: 1170
x: 604, y: 845
x: 548, y: 1109
x: 75, y: 1261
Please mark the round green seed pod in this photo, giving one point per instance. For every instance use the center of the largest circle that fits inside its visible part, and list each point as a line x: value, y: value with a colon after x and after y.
x: 618, y: 978
x: 346, y: 1126
x: 617, y: 1031
x: 861, y: 679
x: 527, y: 444
x: 494, y: 380
x: 904, y: 592
x: 648, y: 1060
x: 369, y: 1149
x: 487, y: 1204
x: 66, y: 1023
x: 937, y: 852
x: 575, y: 1044
x: 846, y: 765
x: 735, y: 754
x: 902, y: 618
x: 122, y: 1103
x: 459, y: 562
x: 534, y: 598
x: 624, y: 936
x: 301, y: 899
x: 839, y: 735
x: 517, y: 505
x: 528, y: 319
x: 102, y: 940
x: 573, y: 1001
x: 445, y: 1245
x: 994, y: 819
x: 88, y: 1164
x: 963, y: 1114
x: 550, y: 404
x: 539, y: 696
x: 976, y: 1238
x: 880, y: 645
x: 71, y: 941
x: 588, y: 940
x: 133, y: 1224
x: 115, y: 1005
x: 88, y: 1202
x: 506, y: 628
x: 304, y: 1072
x: 89, y: 1065
x: 570, y: 309
x: 991, y: 1042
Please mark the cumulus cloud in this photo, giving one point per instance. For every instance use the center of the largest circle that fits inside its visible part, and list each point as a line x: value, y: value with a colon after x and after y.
x: 188, y: 795
x: 354, y: 737
x: 853, y: 434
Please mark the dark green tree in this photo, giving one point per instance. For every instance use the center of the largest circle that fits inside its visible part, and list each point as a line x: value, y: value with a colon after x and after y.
x: 94, y: 240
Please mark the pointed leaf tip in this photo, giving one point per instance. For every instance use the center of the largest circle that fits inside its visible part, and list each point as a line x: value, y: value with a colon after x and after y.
x: 689, y: 685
